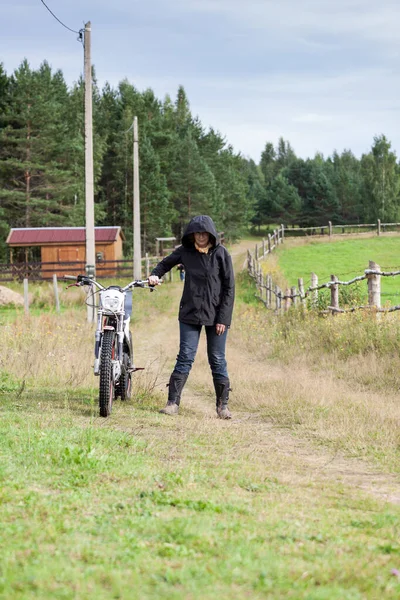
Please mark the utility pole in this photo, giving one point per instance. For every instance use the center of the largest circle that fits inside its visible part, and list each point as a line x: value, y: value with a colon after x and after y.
x: 137, y: 254
x: 89, y: 186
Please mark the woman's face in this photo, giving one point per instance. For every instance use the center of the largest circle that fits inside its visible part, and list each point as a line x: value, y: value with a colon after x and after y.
x: 201, y: 238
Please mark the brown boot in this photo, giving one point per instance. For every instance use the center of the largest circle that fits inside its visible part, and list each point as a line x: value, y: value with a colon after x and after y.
x: 222, y: 390
x: 175, y: 387
x: 170, y: 409
x: 224, y: 413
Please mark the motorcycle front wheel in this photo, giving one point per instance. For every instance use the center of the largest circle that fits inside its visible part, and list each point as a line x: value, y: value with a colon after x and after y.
x: 106, y: 391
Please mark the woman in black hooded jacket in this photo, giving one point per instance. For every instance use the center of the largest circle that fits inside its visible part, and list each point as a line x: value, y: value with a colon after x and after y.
x: 207, y: 300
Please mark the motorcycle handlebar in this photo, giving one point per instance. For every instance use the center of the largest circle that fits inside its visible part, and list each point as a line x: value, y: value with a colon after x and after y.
x: 85, y: 280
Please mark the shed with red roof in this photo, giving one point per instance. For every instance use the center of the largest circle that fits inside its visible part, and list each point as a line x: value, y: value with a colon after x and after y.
x: 64, y: 246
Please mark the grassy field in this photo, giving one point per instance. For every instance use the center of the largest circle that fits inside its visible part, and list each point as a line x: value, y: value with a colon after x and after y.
x: 345, y: 258
x: 144, y: 507
x: 296, y: 498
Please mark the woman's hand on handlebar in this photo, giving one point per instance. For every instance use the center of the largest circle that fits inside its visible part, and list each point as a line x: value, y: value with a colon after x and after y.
x: 154, y: 280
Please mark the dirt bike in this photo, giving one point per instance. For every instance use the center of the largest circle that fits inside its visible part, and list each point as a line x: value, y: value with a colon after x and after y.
x: 113, y: 352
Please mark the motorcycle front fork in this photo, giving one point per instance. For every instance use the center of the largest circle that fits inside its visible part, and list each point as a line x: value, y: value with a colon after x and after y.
x: 120, y: 346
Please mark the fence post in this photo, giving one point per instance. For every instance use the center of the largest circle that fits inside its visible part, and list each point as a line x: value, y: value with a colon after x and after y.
x: 26, y: 297
x: 314, y: 294
x: 294, y: 295
x: 330, y: 228
x: 301, y: 288
x: 256, y: 252
x: 374, y: 286
x: 55, y: 286
x: 260, y: 282
x: 147, y: 265
x: 283, y: 233
x: 379, y: 227
x: 269, y: 243
x: 334, y: 294
x: 270, y: 292
x: 286, y: 303
x: 267, y: 286
x: 263, y: 247
x: 277, y: 299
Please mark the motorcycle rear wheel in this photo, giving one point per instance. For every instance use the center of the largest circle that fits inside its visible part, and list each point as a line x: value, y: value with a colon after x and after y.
x: 125, y: 382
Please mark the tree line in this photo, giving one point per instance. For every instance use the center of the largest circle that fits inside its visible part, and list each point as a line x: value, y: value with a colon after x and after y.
x: 342, y: 188
x: 185, y: 168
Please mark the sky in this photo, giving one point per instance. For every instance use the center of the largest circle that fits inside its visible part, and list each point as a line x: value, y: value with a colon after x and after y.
x: 322, y: 74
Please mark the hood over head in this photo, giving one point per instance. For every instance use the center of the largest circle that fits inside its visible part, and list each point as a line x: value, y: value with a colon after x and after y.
x: 199, y: 224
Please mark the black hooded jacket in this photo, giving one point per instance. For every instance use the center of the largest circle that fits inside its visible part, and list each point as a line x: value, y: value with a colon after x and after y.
x: 209, y: 289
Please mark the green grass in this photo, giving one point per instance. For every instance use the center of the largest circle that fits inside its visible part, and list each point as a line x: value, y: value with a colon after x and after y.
x: 140, y: 506
x: 346, y: 259
x: 91, y: 509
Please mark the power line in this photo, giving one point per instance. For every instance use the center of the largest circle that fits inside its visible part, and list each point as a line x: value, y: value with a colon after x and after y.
x: 63, y: 24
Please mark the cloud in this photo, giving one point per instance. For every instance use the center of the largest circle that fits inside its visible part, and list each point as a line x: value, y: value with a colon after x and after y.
x: 321, y: 74
x: 368, y: 18
x: 312, y: 118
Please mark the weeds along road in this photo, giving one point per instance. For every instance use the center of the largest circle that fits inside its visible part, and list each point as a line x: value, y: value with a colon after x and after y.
x: 296, y: 497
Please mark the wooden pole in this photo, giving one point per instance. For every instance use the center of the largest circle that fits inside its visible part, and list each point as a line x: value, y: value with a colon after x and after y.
x: 55, y: 287
x: 270, y: 291
x: 277, y: 300
x: 334, y: 294
x: 287, y: 300
x: 137, y: 252
x: 269, y: 243
x: 89, y: 183
x: 256, y: 252
x: 301, y: 288
x: 379, y: 227
x: 314, y: 294
x: 147, y: 263
x: 263, y: 247
x: 374, y: 286
x: 330, y: 228
x: 268, y: 294
x: 261, y: 283
x: 282, y: 233
x: 294, y: 295
x: 26, y: 296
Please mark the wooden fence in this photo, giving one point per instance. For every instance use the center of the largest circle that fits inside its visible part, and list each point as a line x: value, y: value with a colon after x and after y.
x: 332, y: 229
x: 44, y: 271
x: 278, y: 300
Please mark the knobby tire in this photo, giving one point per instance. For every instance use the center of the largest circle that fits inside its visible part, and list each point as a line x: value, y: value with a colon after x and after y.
x: 106, y: 391
x: 125, y: 382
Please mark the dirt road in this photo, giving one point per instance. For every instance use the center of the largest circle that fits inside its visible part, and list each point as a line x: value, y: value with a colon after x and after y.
x: 253, y: 433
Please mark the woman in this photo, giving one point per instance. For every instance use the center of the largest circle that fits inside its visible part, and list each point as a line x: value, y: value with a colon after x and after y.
x: 207, y: 300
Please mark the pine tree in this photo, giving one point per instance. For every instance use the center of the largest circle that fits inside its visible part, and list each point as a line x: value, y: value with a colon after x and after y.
x: 192, y: 183
x: 347, y: 181
x: 156, y: 212
x: 268, y: 165
x: 30, y: 146
x: 381, y: 181
x: 284, y: 200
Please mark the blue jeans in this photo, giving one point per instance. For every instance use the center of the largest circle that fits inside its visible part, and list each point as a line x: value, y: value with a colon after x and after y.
x: 189, y: 341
